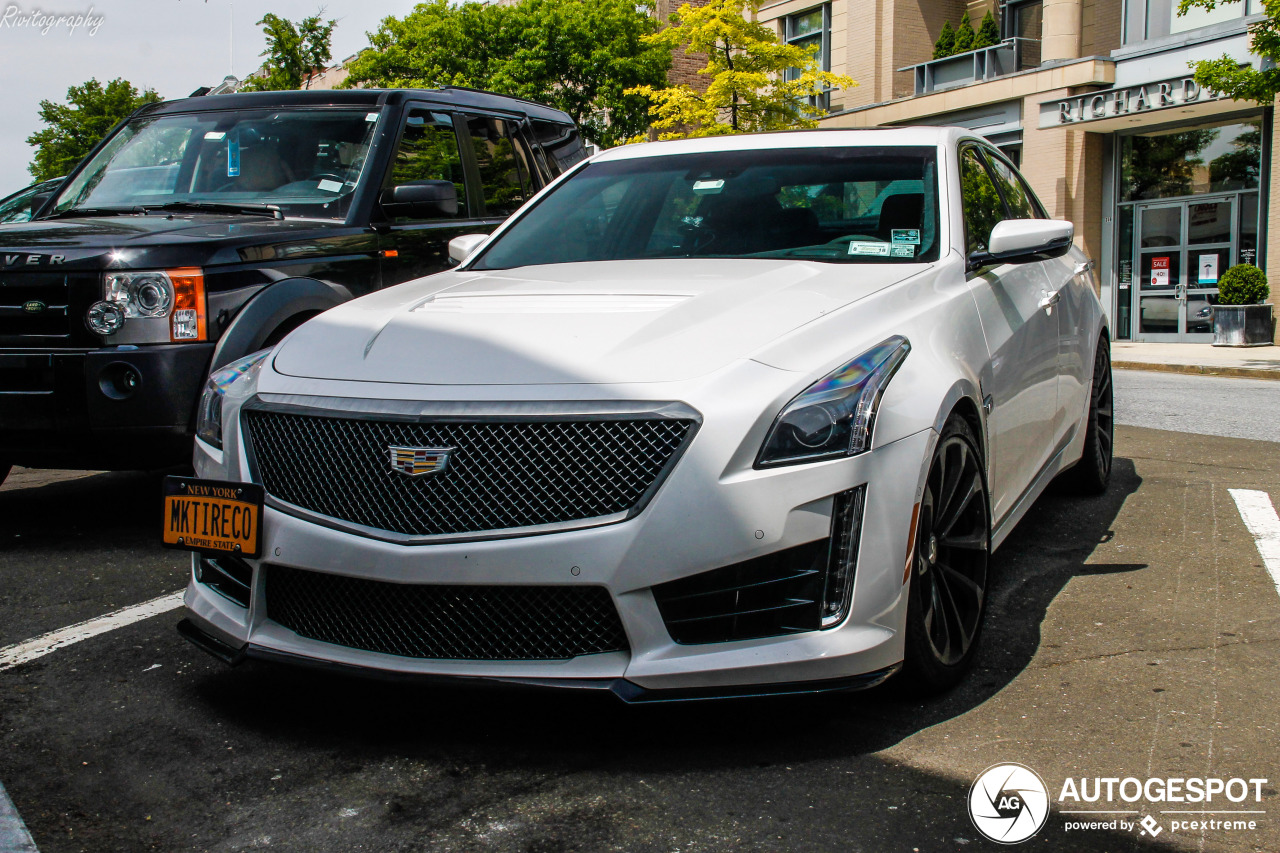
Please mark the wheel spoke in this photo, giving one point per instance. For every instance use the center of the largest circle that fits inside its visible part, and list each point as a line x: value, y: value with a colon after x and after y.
x: 938, y: 611
x: 973, y: 541
x: 951, y: 616
x: 972, y: 488
x: 968, y: 584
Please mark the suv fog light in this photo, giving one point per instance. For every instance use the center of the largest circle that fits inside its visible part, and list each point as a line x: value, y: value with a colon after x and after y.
x: 104, y: 318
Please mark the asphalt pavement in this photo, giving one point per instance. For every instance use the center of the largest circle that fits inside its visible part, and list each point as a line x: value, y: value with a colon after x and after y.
x: 1132, y: 635
x: 1205, y: 405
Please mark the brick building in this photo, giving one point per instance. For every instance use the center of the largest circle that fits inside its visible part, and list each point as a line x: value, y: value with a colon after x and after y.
x: 1167, y: 183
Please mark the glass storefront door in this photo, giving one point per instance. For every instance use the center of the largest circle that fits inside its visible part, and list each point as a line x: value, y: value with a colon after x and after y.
x: 1182, y: 247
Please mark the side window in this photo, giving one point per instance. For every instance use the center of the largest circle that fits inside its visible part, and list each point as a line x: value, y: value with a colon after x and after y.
x: 428, y: 151
x: 502, y: 182
x: 561, y: 142
x: 1016, y: 194
x: 982, y: 205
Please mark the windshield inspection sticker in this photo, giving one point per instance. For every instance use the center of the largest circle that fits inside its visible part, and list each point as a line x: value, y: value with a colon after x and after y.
x: 329, y: 186
x: 906, y: 235
x: 858, y: 247
x: 902, y: 251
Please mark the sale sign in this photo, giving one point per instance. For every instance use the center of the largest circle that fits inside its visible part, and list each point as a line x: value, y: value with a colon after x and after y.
x: 1160, y: 272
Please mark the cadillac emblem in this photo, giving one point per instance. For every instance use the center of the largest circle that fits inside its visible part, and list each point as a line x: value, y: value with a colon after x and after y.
x: 417, y: 461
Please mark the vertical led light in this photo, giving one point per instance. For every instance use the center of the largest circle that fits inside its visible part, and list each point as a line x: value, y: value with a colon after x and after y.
x: 842, y: 562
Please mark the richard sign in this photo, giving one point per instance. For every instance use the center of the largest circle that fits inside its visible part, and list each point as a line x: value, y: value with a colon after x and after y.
x: 1113, y: 103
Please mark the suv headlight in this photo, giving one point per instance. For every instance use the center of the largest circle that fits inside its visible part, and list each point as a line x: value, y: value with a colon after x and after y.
x: 834, y: 416
x: 151, y: 306
x: 238, y: 381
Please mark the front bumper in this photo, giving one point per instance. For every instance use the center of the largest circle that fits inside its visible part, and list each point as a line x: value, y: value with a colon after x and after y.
x: 705, y: 515
x: 109, y: 408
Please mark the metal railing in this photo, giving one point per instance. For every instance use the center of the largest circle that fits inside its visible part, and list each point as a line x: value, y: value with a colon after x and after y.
x: 975, y: 66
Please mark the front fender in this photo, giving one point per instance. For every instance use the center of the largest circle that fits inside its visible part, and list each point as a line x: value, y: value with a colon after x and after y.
x: 271, y: 307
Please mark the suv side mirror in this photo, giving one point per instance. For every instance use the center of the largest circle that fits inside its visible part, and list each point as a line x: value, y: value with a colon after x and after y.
x: 1018, y: 241
x: 39, y: 200
x: 421, y: 200
x: 460, y: 247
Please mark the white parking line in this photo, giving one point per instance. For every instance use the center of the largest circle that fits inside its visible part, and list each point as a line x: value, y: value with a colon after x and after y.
x: 19, y: 653
x: 14, y: 837
x: 1261, y: 519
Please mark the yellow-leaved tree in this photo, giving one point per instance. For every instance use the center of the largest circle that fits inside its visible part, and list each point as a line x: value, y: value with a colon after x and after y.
x: 755, y: 82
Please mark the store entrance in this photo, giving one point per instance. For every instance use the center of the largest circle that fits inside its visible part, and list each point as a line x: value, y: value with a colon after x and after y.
x: 1182, y: 248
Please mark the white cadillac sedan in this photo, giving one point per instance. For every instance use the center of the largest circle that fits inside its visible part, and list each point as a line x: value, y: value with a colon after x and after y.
x: 715, y: 417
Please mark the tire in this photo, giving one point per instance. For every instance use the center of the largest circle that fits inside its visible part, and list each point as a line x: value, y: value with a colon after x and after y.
x: 947, y: 598
x: 1092, y: 473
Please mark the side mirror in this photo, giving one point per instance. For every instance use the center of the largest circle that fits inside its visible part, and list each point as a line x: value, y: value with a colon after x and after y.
x: 460, y: 247
x: 1018, y: 241
x: 421, y: 200
x: 39, y: 200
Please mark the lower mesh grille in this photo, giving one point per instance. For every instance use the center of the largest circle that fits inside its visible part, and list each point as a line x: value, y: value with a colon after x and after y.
x: 445, y: 621
x: 765, y: 597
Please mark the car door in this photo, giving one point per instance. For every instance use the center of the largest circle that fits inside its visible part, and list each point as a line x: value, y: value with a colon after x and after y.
x: 1065, y: 279
x: 1021, y: 384
x: 430, y: 148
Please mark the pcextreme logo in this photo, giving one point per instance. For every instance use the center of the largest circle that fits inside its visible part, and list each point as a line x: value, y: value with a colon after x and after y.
x: 1009, y: 803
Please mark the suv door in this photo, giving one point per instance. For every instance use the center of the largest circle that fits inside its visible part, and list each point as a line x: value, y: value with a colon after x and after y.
x: 429, y: 149
x: 1022, y: 336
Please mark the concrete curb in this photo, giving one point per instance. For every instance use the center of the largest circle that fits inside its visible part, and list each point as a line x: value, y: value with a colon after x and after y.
x: 1200, y: 369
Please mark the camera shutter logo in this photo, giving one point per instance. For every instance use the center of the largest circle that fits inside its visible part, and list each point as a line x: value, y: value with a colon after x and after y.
x: 417, y: 461
x: 1008, y: 803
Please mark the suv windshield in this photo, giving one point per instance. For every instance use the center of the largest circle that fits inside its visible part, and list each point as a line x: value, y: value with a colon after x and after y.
x: 306, y: 161
x: 837, y: 205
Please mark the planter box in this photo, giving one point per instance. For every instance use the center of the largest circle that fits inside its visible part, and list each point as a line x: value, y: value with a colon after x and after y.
x: 1241, y: 325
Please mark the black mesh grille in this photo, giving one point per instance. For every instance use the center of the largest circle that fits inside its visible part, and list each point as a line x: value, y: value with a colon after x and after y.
x: 765, y: 597
x: 501, y: 474
x: 450, y: 622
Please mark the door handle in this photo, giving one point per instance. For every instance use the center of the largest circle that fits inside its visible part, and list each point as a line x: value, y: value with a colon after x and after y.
x: 1050, y: 299
x: 1082, y: 268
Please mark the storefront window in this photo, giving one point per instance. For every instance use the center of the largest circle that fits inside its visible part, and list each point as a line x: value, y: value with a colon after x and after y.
x: 1150, y: 19
x: 1189, y: 162
x: 811, y: 29
x: 1124, y: 251
x: 1025, y: 21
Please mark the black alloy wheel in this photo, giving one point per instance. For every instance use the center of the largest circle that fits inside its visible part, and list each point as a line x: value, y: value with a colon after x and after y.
x: 947, y: 598
x: 1092, y: 473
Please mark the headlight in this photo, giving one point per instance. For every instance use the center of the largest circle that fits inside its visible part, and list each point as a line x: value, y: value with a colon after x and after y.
x: 237, y: 381
x: 153, y: 306
x: 834, y: 416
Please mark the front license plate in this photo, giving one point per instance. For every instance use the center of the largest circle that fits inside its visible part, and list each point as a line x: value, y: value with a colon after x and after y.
x: 213, y: 516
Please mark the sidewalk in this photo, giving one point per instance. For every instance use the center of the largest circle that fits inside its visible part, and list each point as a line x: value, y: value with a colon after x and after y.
x: 1252, y: 362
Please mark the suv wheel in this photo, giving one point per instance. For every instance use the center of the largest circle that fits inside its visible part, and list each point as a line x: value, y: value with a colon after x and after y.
x: 1091, y: 474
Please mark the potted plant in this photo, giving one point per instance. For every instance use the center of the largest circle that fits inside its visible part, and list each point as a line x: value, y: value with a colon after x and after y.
x: 1240, y: 319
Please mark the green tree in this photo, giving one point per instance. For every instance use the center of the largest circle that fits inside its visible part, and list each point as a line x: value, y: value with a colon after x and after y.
x: 964, y: 35
x: 1239, y: 169
x: 581, y: 56
x: 988, y: 31
x: 75, y: 127
x: 1229, y: 76
x: 755, y: 82
x: 294, y: 52
x: 946, y: 43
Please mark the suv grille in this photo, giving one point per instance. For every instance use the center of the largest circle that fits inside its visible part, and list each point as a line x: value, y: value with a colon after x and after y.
x: 58, y: 323
x: 449, y: 622
x: 502, y: 474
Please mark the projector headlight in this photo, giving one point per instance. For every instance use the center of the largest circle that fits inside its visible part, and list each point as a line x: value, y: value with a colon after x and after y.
x: 834, y: 417
x: 238, y: 381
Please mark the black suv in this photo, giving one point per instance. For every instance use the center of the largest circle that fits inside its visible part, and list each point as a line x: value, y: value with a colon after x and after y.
x: 205, y: 229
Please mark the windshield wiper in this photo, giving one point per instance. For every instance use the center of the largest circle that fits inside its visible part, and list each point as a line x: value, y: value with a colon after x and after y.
x: 217, y: 207
x: 91, y: 211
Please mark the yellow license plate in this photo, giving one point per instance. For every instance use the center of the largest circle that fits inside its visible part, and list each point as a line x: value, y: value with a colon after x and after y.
x: 213, y: 516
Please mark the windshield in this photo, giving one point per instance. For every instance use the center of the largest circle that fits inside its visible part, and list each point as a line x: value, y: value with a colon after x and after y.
x: 306, y: 161
x: 836, y: 205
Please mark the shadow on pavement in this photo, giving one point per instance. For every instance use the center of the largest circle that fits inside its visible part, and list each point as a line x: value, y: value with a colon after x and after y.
x: 505, y: 734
